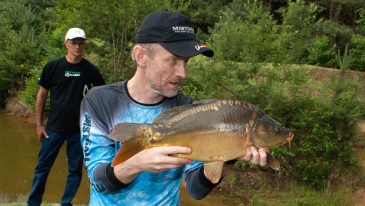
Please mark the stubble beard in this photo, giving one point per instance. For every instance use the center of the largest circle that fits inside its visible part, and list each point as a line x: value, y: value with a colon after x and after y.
x: 163, y: 90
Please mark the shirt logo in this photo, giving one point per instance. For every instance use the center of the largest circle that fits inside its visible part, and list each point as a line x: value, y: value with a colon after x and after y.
x: 72, y: 74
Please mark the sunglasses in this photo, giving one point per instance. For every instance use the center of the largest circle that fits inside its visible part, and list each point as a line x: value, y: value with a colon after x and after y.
x: 80, y: 43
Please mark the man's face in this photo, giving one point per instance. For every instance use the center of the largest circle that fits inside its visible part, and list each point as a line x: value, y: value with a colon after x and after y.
x: 75, y: 47
x: 165, y: 72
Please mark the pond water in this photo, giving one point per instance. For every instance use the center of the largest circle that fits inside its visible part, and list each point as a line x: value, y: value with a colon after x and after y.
x: 18, y: 156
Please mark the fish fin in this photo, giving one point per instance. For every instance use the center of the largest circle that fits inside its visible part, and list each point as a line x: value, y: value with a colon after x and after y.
x: 214, y: 170
x: 128, y: 149
x: 272, y: 162
x: 125, y: 131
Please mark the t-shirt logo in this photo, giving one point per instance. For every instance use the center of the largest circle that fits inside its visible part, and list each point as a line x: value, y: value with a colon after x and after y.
x: 72, y: 74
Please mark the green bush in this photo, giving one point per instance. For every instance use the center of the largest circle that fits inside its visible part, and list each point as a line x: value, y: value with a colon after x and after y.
x: 22, y: 43
x: 358, y: 52
x: 340, y: 35
x: 297, y: 32
x: 361, y: 20
x: 245, y: 32
x: 29, y: 95
x: 321, y: 53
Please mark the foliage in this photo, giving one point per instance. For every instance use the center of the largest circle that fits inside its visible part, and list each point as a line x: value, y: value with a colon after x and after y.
x: 358, y: 52
x: 361, y: 20
x: 244, y: 32
x: 255, y: 42
x: 324, y: 125
x: 29, y: 95
x: 21, y: 43
x: 297, y: 31
x: 203, y: 14
x: 247, y: 32
x: 111, y: 32
x: 321, y: 53
x: 340, y: 35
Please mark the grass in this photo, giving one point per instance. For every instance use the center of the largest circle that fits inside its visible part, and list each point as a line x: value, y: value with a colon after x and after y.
x: 296, y: 196
x: 258, y: 189
x: 302, y: 196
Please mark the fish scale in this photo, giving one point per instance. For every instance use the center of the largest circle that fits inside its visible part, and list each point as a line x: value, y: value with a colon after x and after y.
x: 218, y: 112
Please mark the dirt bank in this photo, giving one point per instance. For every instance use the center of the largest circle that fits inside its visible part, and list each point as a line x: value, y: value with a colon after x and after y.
x: 14, y: 106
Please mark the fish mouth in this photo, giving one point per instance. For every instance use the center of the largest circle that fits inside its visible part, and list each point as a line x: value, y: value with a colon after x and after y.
x: 290, y: 137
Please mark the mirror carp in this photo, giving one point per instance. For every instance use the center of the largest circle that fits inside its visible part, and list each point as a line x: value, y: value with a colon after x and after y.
x: 215, y: 130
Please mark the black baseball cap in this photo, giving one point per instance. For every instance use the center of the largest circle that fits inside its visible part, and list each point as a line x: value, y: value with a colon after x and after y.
x: 174, y: 32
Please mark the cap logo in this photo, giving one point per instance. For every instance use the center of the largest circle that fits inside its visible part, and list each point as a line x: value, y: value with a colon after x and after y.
x: 199, y: 46
x: 183, y: 29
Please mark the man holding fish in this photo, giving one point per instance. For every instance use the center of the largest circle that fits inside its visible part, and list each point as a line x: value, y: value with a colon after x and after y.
x: 150, y: 175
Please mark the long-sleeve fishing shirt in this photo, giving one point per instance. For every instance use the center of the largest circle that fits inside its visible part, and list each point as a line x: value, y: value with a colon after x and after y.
x: 101, y: 110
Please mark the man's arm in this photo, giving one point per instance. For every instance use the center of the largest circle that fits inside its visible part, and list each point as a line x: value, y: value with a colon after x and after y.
x: 39, y: 109
x: 155, y: 159
x: 109, y: 179
x: 197, y: 184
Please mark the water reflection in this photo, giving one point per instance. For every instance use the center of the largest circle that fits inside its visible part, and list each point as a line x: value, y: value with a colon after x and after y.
x: 18, y: 155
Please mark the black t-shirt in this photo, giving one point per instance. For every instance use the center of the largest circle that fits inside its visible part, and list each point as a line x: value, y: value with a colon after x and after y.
x: 67, y: 83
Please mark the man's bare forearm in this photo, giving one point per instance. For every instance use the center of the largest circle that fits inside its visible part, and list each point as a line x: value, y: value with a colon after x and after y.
x: 40, y: 105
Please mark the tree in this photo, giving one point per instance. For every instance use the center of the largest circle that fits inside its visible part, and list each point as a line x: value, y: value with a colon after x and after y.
x: 21, y: 44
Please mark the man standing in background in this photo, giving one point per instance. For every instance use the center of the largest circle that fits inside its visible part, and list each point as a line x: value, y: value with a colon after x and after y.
x: 68, y: 79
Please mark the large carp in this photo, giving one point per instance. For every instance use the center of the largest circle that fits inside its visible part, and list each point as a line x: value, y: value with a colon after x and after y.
x: 215, y: 130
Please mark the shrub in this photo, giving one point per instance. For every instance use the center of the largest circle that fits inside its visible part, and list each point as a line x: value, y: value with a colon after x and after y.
x: 296, y: 32
x: 29, y: 95
x: 244, y: 32
x: 321, y: 53
x: 358, y: 52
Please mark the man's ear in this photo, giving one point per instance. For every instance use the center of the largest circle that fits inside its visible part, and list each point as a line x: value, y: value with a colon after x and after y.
x: 140, y: 55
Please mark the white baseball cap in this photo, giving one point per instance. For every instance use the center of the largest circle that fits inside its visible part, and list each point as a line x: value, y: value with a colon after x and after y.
x: 75, y: 33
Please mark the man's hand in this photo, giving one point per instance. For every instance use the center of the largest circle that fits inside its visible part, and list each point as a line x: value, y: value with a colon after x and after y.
x: 39, y: 108
x: 155, y: 159
x: 255, y: 156
x: 159, y: 159
x: 41, y: 133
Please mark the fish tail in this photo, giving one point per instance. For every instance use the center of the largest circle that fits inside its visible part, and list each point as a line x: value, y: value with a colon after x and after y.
x: 272, y: 162
x: 130, y: 134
